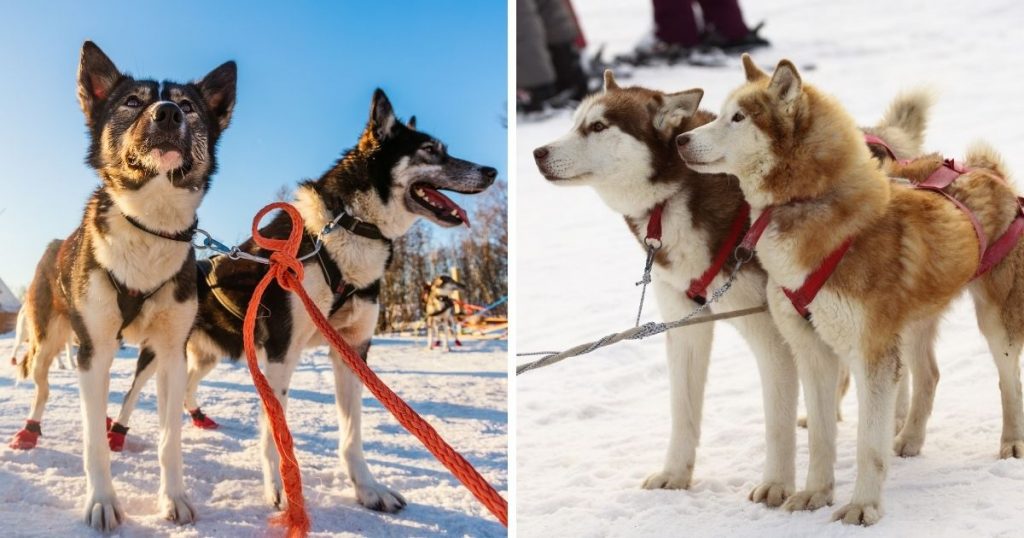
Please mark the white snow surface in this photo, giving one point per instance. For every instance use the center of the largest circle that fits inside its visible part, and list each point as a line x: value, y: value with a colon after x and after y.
x: 462, y: 394
x: 589, y: 430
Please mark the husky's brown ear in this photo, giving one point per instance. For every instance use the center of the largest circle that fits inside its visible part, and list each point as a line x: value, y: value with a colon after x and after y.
x: 411, y: 123
x: 753, y: 72
x: 218, y: 90
x: 382, y: 117
x: 786, y: 83
x: 97, y: 76
x: 609, y: 80
x: 675, y: 108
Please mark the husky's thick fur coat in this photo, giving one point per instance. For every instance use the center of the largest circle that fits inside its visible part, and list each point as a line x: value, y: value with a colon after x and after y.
x: 128, y: 271
x: 622, y: 144
x: 795, y: 150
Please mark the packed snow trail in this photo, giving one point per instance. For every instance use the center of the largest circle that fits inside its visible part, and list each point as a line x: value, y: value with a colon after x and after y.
x: 463, y: 394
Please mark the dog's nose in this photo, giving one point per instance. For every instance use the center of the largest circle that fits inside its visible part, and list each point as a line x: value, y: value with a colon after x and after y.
x: 540, y: 152
x: 489, y: 173
x: 167, y: 116
x: 682, y: 140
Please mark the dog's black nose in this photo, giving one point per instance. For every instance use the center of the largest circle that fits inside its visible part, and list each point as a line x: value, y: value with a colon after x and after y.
x: 540, y: 152
x: 489, y: 173
x: 167, y: 116
x: 682, y: 140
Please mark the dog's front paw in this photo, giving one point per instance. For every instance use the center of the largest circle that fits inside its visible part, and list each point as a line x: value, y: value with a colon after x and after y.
x: 177, y: 508
x: 907, y: 446
x: 859, y: 514
x: 669, y: 480
x: 103, y: 512
x: 808, y: 500
x: 379, y: 498
x: 772, y: 494
x: 1011, y: 449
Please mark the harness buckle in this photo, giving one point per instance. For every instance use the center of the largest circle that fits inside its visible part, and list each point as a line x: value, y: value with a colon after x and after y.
x: 653, y: 243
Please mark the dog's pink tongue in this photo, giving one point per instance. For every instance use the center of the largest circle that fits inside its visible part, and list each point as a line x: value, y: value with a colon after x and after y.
x: 167, y: 160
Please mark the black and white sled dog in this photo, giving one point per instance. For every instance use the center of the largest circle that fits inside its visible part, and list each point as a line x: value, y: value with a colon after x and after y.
x: 623, y: 144
x: 440, y: 309
x: 128, y: 271
x: 375, y: 192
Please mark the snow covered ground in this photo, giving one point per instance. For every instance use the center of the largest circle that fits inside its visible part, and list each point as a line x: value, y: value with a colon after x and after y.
x: 592, y: 428
x: 463, y: 395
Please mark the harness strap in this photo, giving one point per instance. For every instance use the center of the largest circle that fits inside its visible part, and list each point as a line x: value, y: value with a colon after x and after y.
x: 359, y: 227
x: 942, y: 178
x: 184, y: 236
x: 874, y: 140
x: 342, y: 290
x: 211, y: 280
x: 129, y: 301
x: 1002, y: 246
x: 654, y: 226
x: 802, y: 297
x: 699, y: 286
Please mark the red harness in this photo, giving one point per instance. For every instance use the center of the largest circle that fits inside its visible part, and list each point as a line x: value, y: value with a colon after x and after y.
x: 988, y: 254
x: 698, y: 289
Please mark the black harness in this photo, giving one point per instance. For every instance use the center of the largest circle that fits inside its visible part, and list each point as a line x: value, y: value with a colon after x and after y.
x: 342, y: 290
x: 449, y: 303
x: 130, y: 301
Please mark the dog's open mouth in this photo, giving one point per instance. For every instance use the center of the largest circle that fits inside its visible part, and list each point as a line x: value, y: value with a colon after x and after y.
x: 439, y: 205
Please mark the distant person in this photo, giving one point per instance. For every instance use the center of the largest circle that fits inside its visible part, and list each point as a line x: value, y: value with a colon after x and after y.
x: 548, y: 68
x: 680, y: 29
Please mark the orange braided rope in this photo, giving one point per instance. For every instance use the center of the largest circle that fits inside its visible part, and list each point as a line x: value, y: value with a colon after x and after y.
x: 288, y: 271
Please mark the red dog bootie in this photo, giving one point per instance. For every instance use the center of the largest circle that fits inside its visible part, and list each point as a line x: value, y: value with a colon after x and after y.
x: 26, y: 437
x: 202, y: 421
x: 115, y: 436
x: 458, y: 343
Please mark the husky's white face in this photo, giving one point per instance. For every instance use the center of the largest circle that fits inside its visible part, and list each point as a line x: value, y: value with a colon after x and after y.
x: 595, y: 152
x: 732, y: 144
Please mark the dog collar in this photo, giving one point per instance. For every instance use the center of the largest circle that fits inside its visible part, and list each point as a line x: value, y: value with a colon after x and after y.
x: 184, y: 236
x: 356, y: 226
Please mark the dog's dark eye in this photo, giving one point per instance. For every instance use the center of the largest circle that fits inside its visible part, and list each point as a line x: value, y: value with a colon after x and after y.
x: 132, y: 102
x: 430, y: 150
x: 186, y: 107
x: 738, y: 117
x: 597, y: 127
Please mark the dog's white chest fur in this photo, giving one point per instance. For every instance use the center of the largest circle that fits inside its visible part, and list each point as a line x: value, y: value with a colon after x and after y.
x: 141, y: 260
x: 362, y: 261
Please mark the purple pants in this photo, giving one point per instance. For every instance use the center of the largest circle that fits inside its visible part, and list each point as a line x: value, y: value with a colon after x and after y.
x: 675, y: 21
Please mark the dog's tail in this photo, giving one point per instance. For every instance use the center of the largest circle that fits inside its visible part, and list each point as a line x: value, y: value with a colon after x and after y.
x: 982, y: 155
x: 907, y: 115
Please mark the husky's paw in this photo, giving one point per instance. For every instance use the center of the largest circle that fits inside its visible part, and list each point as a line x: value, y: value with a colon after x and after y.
x: 275, y: 497
x: 907, y: 446
x: 808, y: 500
x: 858, y: 514
x: 379, y: 498
x: 103, y: 512
x: 772, y: 494
x: 1011, y: 449
x: 177, y: 508
x: 669, y: 480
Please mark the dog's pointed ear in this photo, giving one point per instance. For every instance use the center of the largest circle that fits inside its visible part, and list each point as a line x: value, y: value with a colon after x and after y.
x: 411, y: 123
x: 218, y: 90
x: 609, y: 80
x: 786, y: 83
x: 97, y: 76
x: 383, y: 122
x: 753, y: 72
x: 675, y: 108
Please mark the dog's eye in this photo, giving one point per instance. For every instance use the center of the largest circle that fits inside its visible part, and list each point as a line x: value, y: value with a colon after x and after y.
x: 597, y: 127
x: 186, y: 107
x: 738, y: 117
x: 132, y: 102
x: 430, y: 149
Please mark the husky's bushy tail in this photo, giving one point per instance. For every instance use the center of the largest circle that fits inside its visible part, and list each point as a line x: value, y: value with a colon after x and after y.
x: 981, y: 155
x: 905, y: 121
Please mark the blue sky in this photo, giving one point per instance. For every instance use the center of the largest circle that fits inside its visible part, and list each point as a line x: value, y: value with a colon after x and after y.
x: 306, y: 74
